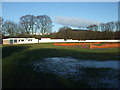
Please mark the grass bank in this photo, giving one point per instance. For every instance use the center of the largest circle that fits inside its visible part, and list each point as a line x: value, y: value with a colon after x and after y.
x: 18, y: 74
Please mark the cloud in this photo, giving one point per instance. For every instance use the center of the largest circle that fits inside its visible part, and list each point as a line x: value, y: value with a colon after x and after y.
x: 73, y: 22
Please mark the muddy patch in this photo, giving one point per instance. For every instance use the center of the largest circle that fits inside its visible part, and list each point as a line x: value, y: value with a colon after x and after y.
x: 96, y: 73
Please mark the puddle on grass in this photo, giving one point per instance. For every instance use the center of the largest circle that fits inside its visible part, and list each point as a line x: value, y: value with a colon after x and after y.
x: 77, y: 69
x: 71, y: 64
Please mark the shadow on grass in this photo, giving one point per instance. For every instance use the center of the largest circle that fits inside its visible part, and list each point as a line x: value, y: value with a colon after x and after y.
x: 23, y: 76
x: 9, y: 50
x: 47, y: 52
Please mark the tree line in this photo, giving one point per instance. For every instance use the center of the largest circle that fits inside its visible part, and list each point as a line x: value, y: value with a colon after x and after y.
x: 39, y: 26
x: 29, y: 25
x: 68, y: 33
x: 109, y: 26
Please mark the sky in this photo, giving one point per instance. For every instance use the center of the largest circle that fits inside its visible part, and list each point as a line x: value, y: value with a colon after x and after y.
x: 72, y: 14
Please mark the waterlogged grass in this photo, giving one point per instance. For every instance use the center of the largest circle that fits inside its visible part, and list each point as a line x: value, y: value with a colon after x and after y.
x: 18, y: 71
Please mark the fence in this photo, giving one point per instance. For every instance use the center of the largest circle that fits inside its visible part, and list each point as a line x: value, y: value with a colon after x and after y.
x: 91, y: 45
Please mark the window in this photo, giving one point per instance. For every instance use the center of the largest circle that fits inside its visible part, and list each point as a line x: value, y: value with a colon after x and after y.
x: 15, y: 41
x: 29, y: 39
x: 19, y: 40
x: 22, y: 40
x: 11, y: 41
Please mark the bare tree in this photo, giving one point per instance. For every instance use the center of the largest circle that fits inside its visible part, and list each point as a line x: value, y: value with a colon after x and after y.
x: 117, y: 26
x: 9, y: 28
x: 93, y: 27
x: 33, y: 24
x: 44, y: 24
x: 102, y: 26
x: 38, y: 24
x: 112, y: 26
x: 27, y: 23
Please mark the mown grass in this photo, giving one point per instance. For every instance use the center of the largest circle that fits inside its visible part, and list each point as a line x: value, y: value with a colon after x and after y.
x: 17, y: 73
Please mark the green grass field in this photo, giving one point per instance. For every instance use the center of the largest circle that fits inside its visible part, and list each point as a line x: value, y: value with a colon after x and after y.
x: 18, y: 74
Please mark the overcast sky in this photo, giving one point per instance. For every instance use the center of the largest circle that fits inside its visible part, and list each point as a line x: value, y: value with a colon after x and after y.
x: 72, y: 14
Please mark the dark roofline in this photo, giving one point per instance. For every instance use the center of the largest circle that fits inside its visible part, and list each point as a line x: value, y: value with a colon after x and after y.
x: 78, y: 30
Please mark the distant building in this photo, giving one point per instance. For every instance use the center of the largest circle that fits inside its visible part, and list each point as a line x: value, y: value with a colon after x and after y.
x: 46, y: 40
x: 19, y: 40
x: 79, y: 30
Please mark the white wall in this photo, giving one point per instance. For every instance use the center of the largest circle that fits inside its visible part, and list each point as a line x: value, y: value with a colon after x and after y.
x: 26, y: 41
x: 21, y: 42
x: 47, y: 40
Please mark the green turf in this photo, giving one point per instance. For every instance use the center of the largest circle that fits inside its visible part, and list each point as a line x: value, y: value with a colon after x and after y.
x: 18, y: 75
